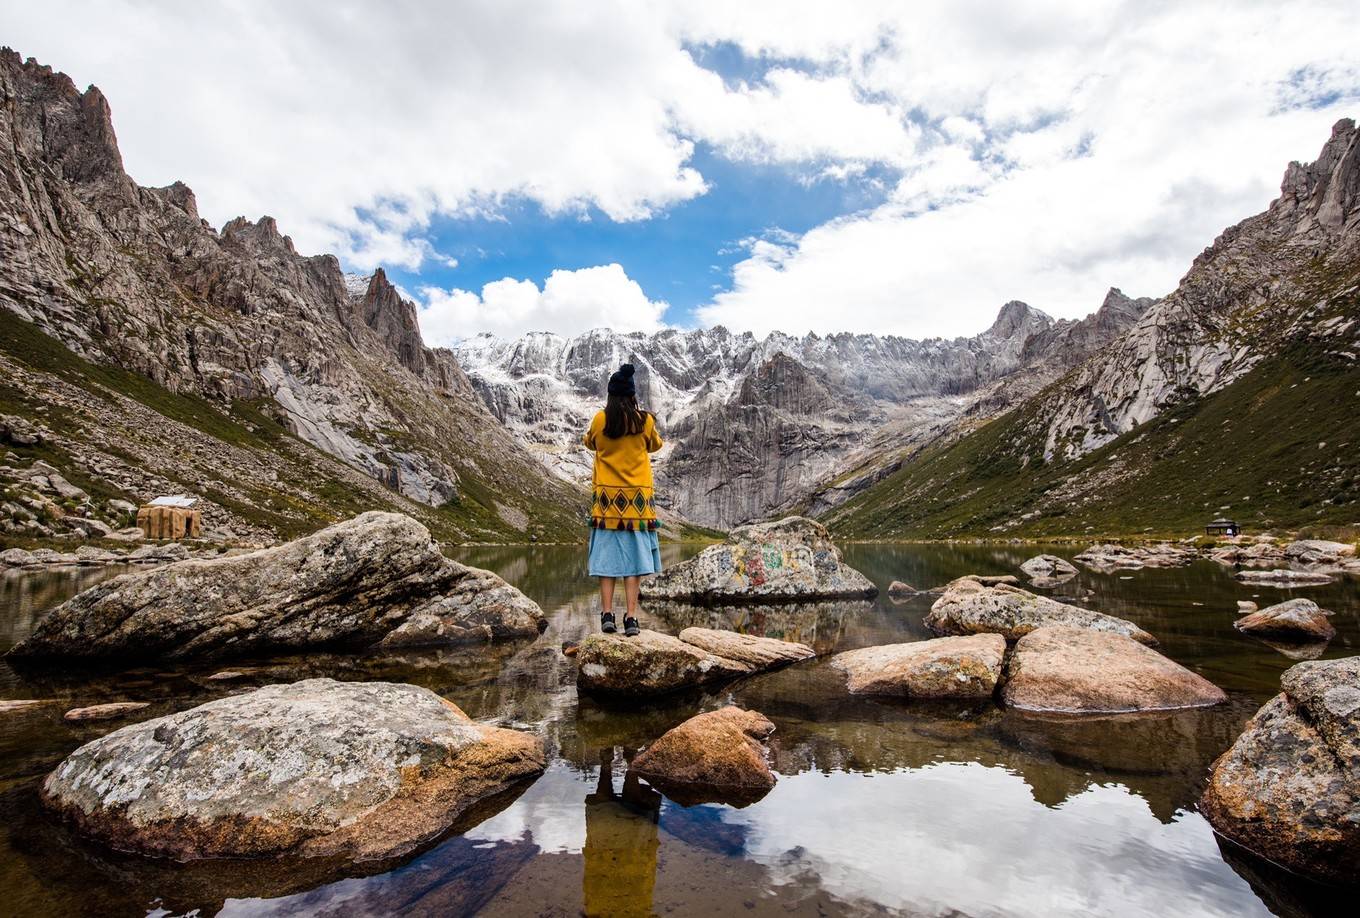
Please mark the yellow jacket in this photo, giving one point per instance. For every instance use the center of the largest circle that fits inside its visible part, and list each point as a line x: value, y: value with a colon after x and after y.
x: 621, y: 487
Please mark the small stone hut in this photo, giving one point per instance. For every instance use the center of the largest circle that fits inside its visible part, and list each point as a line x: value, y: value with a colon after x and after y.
x: 1223, y: 527
x: 172, y: 517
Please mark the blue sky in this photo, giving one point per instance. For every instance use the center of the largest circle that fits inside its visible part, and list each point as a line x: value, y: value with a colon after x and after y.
x: 868, y: 167
x: 681, y: 256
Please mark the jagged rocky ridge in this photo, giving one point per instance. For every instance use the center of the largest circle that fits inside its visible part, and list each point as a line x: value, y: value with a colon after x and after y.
x: 757, y: 424
x: 1232, y: 395
x: 132, y: 277
x: 1261, y: 283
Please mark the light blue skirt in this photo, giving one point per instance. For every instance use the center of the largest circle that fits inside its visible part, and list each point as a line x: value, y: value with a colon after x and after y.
x: 624, y: 553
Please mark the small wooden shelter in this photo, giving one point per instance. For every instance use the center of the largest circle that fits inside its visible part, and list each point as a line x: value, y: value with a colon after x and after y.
x: 1223, y: 527
x: 172, y: 517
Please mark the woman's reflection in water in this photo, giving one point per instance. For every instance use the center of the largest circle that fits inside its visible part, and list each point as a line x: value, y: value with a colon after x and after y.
x: 621, y: 843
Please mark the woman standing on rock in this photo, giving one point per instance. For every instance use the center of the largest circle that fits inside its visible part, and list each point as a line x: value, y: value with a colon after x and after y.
x: 623, y: 525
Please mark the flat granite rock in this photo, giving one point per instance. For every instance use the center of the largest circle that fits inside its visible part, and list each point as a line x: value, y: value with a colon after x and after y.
x: 359, y: 770
x: 1107, y: 557
x: 375, y: 581
x: 1292, y: 620
x: 1284, y: 578
x: 718, y: 757
x: 651, y: 663
x: 947, y: 667
x: 970, y: 607
x: 1289, y: 788
x: 792, y: 559
x: 1048, y: 567
x: 1079, y: 671
x: 759, y: 652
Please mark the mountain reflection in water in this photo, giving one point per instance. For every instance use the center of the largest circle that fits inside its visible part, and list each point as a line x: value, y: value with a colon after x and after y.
x: 882, y: 807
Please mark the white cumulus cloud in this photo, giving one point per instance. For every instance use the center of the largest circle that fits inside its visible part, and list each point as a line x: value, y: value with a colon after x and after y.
x: 1042, y: 150
x: 569, y: 302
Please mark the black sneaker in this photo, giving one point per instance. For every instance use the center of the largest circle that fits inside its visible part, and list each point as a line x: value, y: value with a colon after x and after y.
x: 630, y: 626
x: 607, y: 623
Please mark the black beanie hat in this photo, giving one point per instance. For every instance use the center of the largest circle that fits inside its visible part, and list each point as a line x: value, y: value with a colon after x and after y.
x: 621, y: 383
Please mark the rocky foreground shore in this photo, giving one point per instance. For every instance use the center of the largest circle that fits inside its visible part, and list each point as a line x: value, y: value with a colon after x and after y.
x: 374, y: 770
x: 1049, y: 656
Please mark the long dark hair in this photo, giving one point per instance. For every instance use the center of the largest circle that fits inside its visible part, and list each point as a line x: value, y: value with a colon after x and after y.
x: 622, y: 416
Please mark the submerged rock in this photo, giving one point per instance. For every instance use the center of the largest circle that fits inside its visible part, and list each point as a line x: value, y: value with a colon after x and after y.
x: 1080, y: 671
x: 969, y: 607
x: 1295, y: 650
x: 1289, y: 788
x: 651, y: 663
x: 948, y: 667
x: 1260, y: 553
x: 1284, y: 578
x: 1295, y: 619
x: 1048, y: 567
x: 318, y: 768
x: 759, y: 652
x: 791, y: 559
x: 111, y: 711
x: 899, y: 590
x: 375, y: 581
x: 21, y: 704
x: 718, y: 757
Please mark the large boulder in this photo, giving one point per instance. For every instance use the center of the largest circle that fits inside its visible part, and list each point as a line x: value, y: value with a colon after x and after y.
x: 970, y: 607
x: 651, y: 663
x: 1289, y: 788
x: 375, y: 581
x: 1080, y: 671
x: 359, y: 770
x: 1292, y: 620
x: 789, y: 560
x: 948, y: 667
x: 1318, y: 551
x: 758, y: 652
x: 718, y: 757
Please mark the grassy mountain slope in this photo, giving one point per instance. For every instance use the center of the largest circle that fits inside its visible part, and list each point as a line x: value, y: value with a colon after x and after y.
x: 1278, y: 448
x: 119, y: 435
x: 1235, y: 394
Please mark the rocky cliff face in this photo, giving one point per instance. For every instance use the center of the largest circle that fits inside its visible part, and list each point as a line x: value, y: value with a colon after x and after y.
x: 1263, y: 282
x: 132, y: 277
x: 1235, y: 394
x: 756, y: 425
